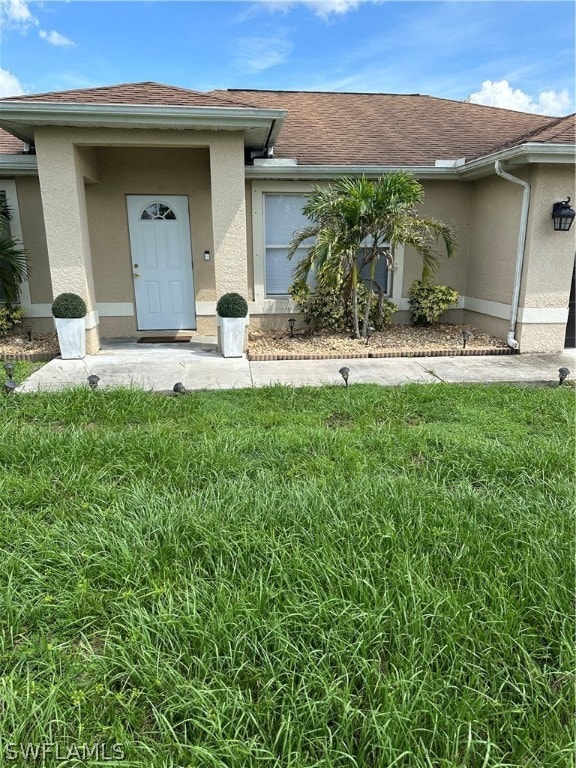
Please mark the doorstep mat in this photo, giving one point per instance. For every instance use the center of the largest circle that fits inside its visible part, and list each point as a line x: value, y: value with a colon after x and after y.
x: 164, y: 339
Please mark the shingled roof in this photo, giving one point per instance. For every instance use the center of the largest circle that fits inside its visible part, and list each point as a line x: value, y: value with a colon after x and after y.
x: 351, y: 128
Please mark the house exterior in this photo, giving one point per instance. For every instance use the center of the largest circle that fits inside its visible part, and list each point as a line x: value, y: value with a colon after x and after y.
x: 151, y: 201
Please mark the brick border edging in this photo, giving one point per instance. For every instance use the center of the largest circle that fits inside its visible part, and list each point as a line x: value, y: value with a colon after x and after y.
x: 260, y: 358
x: 30, y: 357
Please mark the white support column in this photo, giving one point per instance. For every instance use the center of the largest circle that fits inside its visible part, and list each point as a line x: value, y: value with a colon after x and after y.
x: 229, y: 214
x: 62, y: 170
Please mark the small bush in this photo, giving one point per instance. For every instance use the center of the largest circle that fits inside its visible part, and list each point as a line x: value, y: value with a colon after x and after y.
x: 9, y: 317
x: 69, y: 305
x: 429, y: 302
x: 232, y: 305
x: 327, y: 309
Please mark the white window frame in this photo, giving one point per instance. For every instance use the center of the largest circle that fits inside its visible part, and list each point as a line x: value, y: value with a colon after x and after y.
x: 275, y: 305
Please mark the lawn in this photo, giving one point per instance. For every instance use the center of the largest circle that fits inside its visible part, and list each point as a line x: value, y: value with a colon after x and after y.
x: 288, y: 578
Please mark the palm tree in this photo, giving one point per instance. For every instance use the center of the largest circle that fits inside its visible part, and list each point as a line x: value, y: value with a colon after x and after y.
x: 13, y: 260
x: 354, y: 222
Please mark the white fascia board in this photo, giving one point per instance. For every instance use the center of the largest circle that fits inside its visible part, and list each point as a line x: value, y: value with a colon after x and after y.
x: 21, y: 119
x: 18, y: 165
x: 333, y: 171
x: 531, y: 152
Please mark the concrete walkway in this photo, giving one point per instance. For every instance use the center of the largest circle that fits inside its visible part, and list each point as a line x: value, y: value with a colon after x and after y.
x: 197, y: 365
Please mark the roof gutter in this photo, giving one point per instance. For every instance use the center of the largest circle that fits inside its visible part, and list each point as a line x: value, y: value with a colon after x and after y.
x: 511, y: 337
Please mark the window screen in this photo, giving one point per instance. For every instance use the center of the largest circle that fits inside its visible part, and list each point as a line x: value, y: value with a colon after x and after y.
x: 283, y: 217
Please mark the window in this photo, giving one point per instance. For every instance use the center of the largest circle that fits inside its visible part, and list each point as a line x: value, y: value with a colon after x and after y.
x: 156, y: 211
x: 4, y: 233
x: 283, y: 217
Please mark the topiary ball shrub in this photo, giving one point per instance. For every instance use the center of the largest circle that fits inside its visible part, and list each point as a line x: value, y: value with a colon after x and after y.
x: 232, y: 305
x: 69, y: 305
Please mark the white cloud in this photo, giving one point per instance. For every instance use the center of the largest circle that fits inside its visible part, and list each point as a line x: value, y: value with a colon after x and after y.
x: 18, y: 13
x: 501, y: 94
x: 256, y: 54
x: 322, y: 8
x: 9, y: 84
x: 55, y: 38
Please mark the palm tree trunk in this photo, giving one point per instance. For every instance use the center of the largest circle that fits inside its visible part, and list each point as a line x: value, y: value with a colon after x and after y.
x: 354, y: 278
x: 369, y: 295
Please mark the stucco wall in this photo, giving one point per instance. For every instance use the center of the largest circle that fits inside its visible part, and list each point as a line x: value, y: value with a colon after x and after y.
x: 34, y: 238
x: 495, y: 222
x: 125, y: 171
x: 449, y: 202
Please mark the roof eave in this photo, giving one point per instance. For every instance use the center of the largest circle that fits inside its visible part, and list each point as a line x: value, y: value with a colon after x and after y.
x: 18, y: 165
x: 259, y: 125
x: 321, y: 172
x: 522, y: 154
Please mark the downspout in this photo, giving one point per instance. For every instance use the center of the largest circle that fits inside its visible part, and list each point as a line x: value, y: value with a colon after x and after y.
x: 511, y: 338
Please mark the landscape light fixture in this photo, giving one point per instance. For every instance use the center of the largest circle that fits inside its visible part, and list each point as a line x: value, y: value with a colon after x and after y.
x: 563, y: 374
x: 28, y: 329
x: 179, y: 388
x: 9, y: 368
x: 93, y: 380
x: 10, y: 386
x: 344, y: 372
x: 563, y: 215
x: 466, y: 336
x: 369, y: 331
x: 291, y: 323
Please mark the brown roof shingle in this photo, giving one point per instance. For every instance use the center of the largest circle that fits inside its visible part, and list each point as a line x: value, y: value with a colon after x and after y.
x: 352, y: 128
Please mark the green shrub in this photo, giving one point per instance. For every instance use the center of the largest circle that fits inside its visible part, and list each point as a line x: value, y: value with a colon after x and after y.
x: 328, y: 309
x: 69, y: 305
x: 232, y: 305
x: 429, y: 302
x: 9, y: 317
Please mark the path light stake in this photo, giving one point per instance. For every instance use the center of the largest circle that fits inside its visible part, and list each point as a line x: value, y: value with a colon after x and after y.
x: 179, y: 388
x: 28, y: 329
x: 369, y: 331
x: 93, y: 381
x: 9, y: 368
x: 563, y: 374
x: 10, y: 386
x: 291, y: 323
x: 466, y: 336
x: 344, y: 372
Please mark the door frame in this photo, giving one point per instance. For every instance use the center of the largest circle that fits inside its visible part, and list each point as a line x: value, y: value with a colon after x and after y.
x: 134, y: 204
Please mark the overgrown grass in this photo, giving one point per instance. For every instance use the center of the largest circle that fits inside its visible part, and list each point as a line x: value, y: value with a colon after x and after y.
x: 310, y: 578
x: 22, y: 370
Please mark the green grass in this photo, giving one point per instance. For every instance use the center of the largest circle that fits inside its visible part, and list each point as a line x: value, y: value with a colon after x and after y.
x: 289, y: 578
x: 22, y: 370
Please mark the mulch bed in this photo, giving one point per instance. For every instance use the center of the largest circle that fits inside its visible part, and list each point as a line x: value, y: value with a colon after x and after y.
x: 396, y: 341
x: 16, y: 347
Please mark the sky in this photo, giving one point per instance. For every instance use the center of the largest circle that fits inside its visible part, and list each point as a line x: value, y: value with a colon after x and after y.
x: 517, y: 54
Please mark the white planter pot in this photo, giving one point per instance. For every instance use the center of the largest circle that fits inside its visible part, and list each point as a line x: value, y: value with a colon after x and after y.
x: 232, y: 335
x: 71, y: 337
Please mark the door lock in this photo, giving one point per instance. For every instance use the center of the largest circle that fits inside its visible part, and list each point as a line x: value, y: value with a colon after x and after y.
x: 136, y: 274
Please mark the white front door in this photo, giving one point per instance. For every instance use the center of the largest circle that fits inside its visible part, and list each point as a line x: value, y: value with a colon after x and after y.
x: 161, y: 262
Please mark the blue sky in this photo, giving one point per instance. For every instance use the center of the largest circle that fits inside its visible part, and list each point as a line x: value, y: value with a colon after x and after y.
x: 513, y: 54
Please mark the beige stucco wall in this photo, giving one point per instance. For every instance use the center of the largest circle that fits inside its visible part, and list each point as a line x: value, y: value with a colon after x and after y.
x: 494, y: 230
x: 449, y: 202
x: 549, y: 259
x: 101, y: 166
x: 34, y: 238
x: 126, y: 171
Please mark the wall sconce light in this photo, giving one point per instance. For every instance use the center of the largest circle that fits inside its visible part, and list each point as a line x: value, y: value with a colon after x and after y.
x: 563, y: 215
x: 206, y: 255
